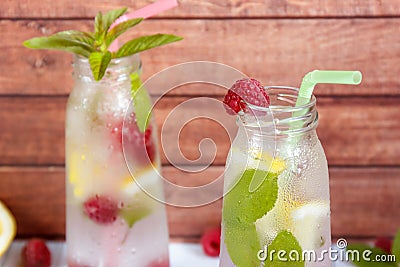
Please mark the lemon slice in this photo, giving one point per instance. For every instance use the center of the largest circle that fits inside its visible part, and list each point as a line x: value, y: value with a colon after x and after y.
x: 73, y: 174
x: 308, y: 223
x: 143, y: 180
x: 274, y: 164
x: 8, y: 228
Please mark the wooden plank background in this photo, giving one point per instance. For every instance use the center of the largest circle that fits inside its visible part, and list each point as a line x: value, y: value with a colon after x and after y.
x: 274, y: 41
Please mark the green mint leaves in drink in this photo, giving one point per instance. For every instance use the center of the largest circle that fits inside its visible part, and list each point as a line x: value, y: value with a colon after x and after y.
x: 287, y: 242
x: 241, y: 209
x: 95, y: 45
x: 141, y: 101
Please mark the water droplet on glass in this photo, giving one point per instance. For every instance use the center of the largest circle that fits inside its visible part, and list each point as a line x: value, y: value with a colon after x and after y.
x: 133, y: 250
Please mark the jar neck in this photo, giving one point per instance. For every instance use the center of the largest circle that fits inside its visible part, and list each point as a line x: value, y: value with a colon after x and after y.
x: 117, y: 72
x: 282, y: 119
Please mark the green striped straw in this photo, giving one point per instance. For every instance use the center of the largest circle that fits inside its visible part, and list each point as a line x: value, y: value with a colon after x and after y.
x: 321, y: 76
x: 325, y: 76
x: 305, y: 92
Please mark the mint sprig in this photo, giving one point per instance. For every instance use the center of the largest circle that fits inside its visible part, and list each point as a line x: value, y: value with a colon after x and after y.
x: 240, y: 211
x: 95, y: 45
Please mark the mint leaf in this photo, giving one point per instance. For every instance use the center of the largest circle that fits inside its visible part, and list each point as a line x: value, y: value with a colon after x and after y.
x: 360, y: 261
x: 141, y: 101
x: 78, y: 36
x: 396, y: 246
x: 110, y: 17
x: 55, y: 42
x: 132, y: 214
x: 242, y: 206
x: 99, y: 62
x: 287, y: 242
x: 137, y: 207
x: 119, y: 29
x: 242, y: 244
x: 145, y: 43
x: 240, y: 211
x: 98, y: 28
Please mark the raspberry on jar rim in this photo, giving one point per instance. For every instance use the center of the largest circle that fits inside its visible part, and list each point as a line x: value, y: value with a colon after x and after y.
x: 244, y: 91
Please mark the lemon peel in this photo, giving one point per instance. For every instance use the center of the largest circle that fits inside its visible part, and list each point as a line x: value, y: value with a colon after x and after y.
x: 8, y: 228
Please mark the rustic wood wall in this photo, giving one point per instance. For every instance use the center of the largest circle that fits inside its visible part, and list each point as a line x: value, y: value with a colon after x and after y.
x: 276, y: 41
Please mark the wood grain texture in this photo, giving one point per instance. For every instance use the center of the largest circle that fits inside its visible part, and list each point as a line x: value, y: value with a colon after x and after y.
x: 353, y: 131
x: 212, y: 8
x: 364, y: 202
x: 276, y: 51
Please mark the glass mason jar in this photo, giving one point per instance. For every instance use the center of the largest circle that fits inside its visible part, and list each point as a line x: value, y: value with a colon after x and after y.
x: 110, y: 221
x: 276, y: 188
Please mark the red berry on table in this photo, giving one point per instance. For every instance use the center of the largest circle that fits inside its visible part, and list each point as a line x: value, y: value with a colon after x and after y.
x: 36, y: 254
x: 245, y: 91
x: 101, y: 209
x: 384, y: 243
x: 211, y: 241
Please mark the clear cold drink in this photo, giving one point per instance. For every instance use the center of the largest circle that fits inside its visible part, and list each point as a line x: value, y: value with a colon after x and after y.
x: 111, y: 221
x: 290, y: 210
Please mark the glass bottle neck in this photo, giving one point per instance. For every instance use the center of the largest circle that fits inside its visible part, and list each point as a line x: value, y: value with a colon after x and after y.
x: 282, y: 119
x: 117, y: 72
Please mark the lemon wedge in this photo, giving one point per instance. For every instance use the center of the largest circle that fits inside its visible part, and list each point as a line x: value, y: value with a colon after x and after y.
x: 8, y: 228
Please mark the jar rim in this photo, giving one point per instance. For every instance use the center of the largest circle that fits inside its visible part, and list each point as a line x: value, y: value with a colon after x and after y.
x: 280, y: 119
x: 310, y: 104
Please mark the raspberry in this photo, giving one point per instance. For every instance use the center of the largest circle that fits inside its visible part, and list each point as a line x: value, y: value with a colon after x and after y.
x: 101, y: 209
x: 211, y: 241
x: 148, y: 141
x: 384, y: 243
x: 36, y: 254
x: 135, y: 140
x: 245, y: 91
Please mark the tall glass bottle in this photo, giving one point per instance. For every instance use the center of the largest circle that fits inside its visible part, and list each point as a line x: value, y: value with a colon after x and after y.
x: 110, y: 221
x: 277, y: 188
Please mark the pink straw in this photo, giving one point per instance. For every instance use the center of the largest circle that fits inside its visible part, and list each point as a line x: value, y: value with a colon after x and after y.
x: 145, y: 12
